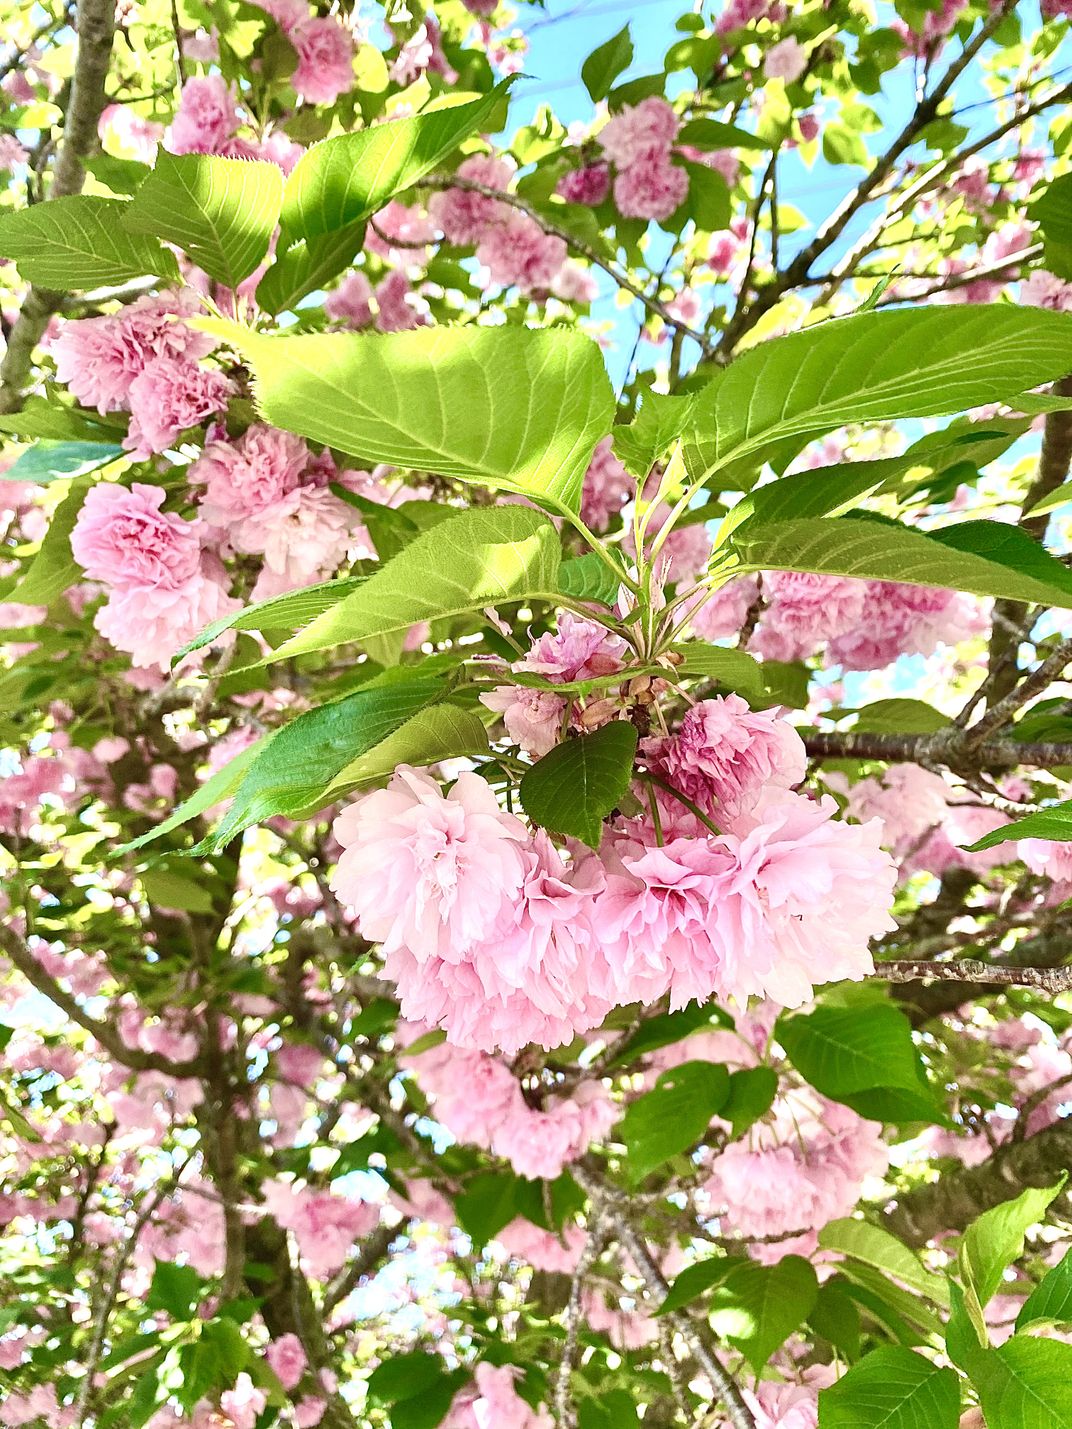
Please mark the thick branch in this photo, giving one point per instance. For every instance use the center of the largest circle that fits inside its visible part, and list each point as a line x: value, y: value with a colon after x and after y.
x: 973, y: 970
x: 946, y: 747
x: 96, y: 31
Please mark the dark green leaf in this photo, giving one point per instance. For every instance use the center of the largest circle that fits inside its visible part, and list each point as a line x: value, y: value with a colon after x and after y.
x: 47, y: 461
x: 751, y: 1094
x: 757, y: 1307
x: 1026, y: 1384
x: 1051, y: 1300
x: 1052, y: 823
x: 177, y: 1289
x: 573, y: 789
x: 672, y: 1116
x: 605, y: 64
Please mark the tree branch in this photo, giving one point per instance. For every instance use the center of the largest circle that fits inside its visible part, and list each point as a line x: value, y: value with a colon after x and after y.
x: 975, y: 971
x: 96, y: 31
x: 946, y: 747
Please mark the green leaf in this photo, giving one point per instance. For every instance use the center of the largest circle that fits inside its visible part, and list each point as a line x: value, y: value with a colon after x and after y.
x: 1052, y: 823
x: 709, y: 202
x: 80, y: 242
x: 588, y: 578
x: 993, y: 1241
x: 605, y: 64
x: 752, y: 1091
x: 836, y: 1318
x: 573, y: 789
x: 900, y: 715
x: 280, y: 614
x: 43, y: 418
x: 54, y: 570
x: 1051, y: 1300
x: 735, y: 669
x: 713, y: 134
x: 672, y: 1116
x: 1053, y: 214
x: 468, y: 402
x: 295, y: 768
x: 343, y: 180
x: 486, y: 556
x: 176, y: 1289
x: 666, y: 1028
x: 217, y: 787
x: 696, y: 1280
x: 914, y: 362
x: 166, y: 889
x: 874, y: 1246
x: 441, y: 731
x: 861, y: 1056
x: 1026, y: 1384
x: 892, y: 1388
x: 307, y: 266
x: 403, y: 1375
x: 48, y: 461
x: 981, y: 557
x: 659, y: 421
x: 488, y: 1202
x: 757, y: 1307
x: 221, y: 212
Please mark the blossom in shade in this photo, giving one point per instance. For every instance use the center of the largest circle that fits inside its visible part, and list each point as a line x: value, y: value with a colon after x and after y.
x: 725, y: 755
x: 607, y: 487
x: 1041, y: 289
x: 803, y: 610
x: 588, y: 185
x: 351, y: 301
x: 518, y: 253
x: 99, y: 358
x: 11, y: 153
x: 398, y: 307
x: 579, y: 649
x: 464, y: 216
x: 244, y: 478
x: 324, y: 1225
x: 325, y: 59
x: 426, y: 872
x: 652, y: 187
x: 792, y: 1404
x: 492, y: 1402
x: 639, y: 130
x: 206, y: 119
x: 574, y: 283
x: 533, y: 718
x: 288, y: 1359
x: 541, y: 1249
x: 170, y: 396
x: 725, y: 611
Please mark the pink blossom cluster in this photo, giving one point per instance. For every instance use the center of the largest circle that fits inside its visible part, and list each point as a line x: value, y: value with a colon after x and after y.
x: 324, y: 47
x: 479, y: 1100
x: 607, y: 487
x: 863, y: 624
x: 145, y: 361
x: 392, y: 305
x: 514, y: 249
x: 738, y: 14
x: 788, y: 1404
x: 324, y: 1225
x: 163, y: 587
x: 267, y: 495
x: 638, y: 140
x: 492, y: 1402
x: 578, y: 650
x: 208, y: 121
x: 938, y: 24
x: 502, y: 939
x: 795, y: 1171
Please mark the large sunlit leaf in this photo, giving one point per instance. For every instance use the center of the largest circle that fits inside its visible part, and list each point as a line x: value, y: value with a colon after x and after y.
x: 345, y: 179
x: 80, y: 242
x: 879, y: 366
x: 1025, y: 1384
x: 307, y: 266
x: 993, y: 1241
x: 221, y: 212
x: 509, y: 407
x: 874, y: 1246
x: 478, y: 558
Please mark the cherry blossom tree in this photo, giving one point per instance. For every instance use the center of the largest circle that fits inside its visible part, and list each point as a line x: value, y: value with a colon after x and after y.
x: 533, y: 718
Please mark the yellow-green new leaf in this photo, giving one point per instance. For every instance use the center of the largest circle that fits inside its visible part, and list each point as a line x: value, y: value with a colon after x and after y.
x: 80, y: 242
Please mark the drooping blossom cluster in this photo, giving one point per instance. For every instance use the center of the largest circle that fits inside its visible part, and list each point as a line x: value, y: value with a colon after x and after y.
x: 479, y: 1100
x: 324, y: 1225
x: 163, y: 585
x: 492, y: 1402
x: 501, y: 938
x: 863, y: 625
x: 144, y: 360
x: 638, y: 140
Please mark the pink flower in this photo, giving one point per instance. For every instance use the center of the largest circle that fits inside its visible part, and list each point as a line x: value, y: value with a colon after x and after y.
x: 533, y: 718
x: 206, y: 118
x: 807, y: 894
x: 517, y: 252
x: 303, y: 537
x: 244, y: 478
x: 541, y: 1249
x: 1043, y: 290
x: 399, y: 308
x: 804, y: 610
x: 625, y: 1329
x: 325, y: 59
x: 651, y: 188
x: 351, y: 301
x: 638, y: 132
x: 151, y: 624
x: 537, y: 1145
x: 11, y: 153
x: 122, y: 538
x: 288, y: 1358
x: 324, y: 1225
x: 574, y: 283
x: 786, y: 60
x: 723, y: 614
x: 607, y: 487
x: 168, y: 397
x: 130, y: 132
x: 99, y: 358
x: 725, y: 755
x: 492, y: 1402
x: 588, y: 185
x: 464, y: 217
x: 429, y: 873
x: 809, y: 127
x: 1048, y: 857
x: 243, y: 1404
x: 473, y: 1094
x: 579, y: 650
